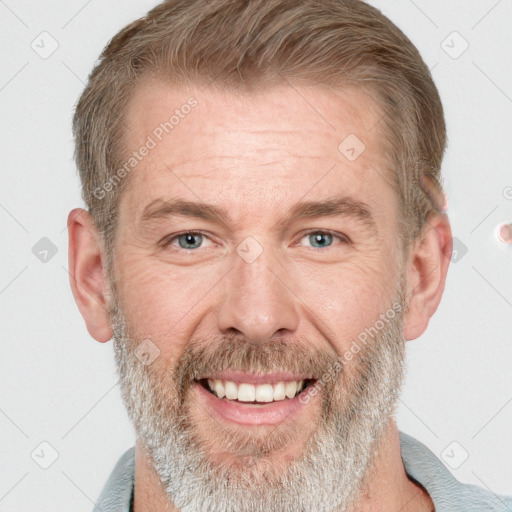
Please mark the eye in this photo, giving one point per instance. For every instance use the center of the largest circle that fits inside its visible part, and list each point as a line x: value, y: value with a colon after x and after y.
x: 187, y: 241
x: 320, y: 238
x: 191, y: 240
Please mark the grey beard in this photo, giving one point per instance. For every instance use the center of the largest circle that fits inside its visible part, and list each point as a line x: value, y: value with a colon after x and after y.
x: 329, y: 475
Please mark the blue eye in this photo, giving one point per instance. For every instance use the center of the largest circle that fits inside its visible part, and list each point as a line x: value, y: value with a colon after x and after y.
x: 320, y: 239
x: 192, y: 240
x: 323, y: 239
x: 189, y: 240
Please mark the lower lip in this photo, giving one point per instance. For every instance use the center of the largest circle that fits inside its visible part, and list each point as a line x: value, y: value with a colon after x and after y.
x: 271, y: 413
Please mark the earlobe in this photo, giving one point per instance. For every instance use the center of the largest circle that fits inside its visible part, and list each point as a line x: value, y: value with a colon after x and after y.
x: 87, y: 277
x: 427, y: 268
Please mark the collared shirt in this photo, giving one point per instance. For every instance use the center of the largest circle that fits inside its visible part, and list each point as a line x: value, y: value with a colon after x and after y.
x: 421, y: 465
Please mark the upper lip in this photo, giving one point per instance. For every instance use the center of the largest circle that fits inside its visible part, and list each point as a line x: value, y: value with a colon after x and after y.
x: 255, y: 378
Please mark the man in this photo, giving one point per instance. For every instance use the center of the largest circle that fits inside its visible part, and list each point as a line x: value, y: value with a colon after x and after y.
x: 265, y: 230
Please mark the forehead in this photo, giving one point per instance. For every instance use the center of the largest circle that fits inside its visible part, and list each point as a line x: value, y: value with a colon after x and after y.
x: 253, y: 150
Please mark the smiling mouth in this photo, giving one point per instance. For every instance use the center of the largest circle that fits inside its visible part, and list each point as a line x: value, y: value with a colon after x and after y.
x: 258, y: 394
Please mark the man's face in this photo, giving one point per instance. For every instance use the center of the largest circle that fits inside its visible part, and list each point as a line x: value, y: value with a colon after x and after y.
x: 261, y: 299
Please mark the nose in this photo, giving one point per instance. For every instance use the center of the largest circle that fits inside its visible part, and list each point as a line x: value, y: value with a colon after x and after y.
x: 258, y: 301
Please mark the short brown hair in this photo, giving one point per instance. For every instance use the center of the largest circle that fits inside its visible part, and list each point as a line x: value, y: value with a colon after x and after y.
x: 244, y: 44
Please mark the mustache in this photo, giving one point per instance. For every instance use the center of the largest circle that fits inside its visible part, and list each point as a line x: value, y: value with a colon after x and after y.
x: 236, y: 353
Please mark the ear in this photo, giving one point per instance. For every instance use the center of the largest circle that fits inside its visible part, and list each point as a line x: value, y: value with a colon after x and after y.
x: 427, y: 267
x: 86, y: 274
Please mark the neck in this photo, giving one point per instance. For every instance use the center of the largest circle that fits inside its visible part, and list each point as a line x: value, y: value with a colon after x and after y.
x: 387, y: 487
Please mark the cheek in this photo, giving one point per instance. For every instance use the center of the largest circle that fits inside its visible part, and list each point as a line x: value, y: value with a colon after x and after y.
x: 162, y: 302
x: 344, y: 300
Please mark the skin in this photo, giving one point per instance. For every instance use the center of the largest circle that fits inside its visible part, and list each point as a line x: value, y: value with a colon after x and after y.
x: 257, y: 155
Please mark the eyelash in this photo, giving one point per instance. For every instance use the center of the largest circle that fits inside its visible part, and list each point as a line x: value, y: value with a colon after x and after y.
x: 167, y: 241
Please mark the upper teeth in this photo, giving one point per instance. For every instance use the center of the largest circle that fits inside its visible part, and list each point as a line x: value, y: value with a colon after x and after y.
x: 259, y: 393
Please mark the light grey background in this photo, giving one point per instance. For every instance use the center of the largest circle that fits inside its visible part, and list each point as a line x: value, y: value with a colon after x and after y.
x: 58, y: 385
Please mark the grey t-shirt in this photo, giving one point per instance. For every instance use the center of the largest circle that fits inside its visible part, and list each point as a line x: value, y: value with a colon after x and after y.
x: 421, y: 465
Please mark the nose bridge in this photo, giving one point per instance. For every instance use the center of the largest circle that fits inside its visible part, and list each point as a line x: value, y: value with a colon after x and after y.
x: 257, y: 301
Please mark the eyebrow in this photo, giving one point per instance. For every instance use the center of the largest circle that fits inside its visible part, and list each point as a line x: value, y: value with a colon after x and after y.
x: 331, y: 207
